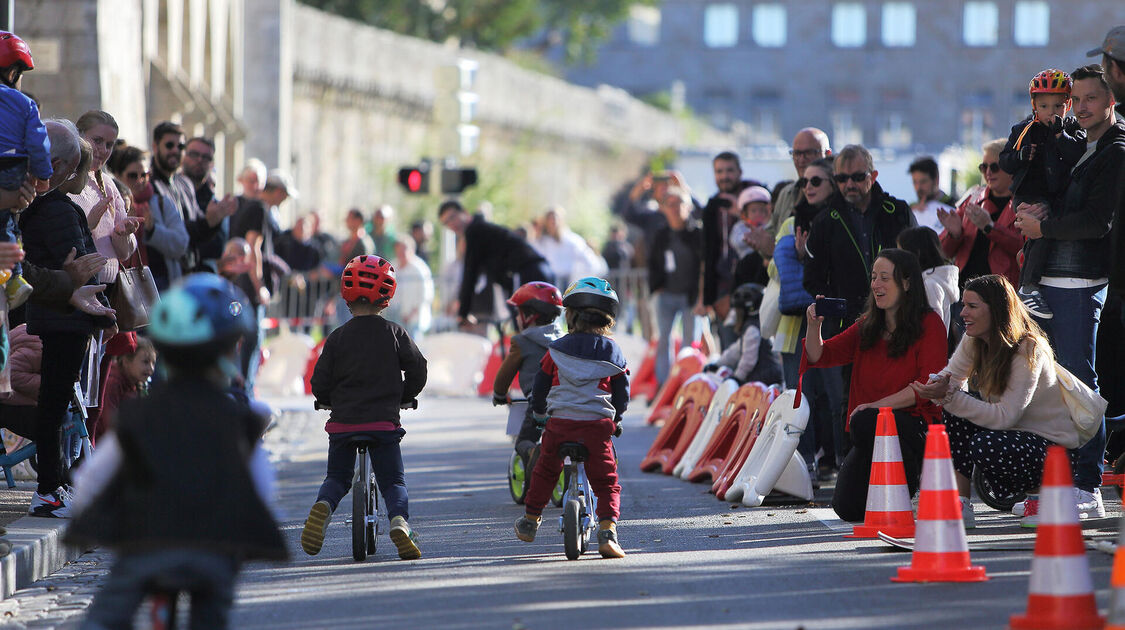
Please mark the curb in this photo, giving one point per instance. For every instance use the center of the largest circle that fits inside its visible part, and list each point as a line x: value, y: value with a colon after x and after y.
x: 37, y: 551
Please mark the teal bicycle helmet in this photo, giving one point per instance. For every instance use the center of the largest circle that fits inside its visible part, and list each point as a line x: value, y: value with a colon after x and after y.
x: 591, y: 292
x: 201, y: 318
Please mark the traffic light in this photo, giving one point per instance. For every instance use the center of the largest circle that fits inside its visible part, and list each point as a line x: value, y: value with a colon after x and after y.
x: 456, y: 180
x: 415, y: 179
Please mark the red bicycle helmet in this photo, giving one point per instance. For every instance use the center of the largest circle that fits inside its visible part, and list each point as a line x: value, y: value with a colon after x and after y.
x: 1050, y: 81
x: 542, y: 297
x: 369, y: 278
x: 14, y: 50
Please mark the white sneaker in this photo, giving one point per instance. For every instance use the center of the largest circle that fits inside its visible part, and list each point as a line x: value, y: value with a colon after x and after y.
x: 1019, y: 508
x: 51, y: 505
x: 967, y: 514
x: 1089, y: 503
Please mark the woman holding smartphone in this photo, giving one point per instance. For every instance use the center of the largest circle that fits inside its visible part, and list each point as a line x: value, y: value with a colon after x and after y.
x: 898, y: 340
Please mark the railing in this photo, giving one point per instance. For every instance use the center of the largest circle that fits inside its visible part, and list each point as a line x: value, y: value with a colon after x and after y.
x: 308, y: 301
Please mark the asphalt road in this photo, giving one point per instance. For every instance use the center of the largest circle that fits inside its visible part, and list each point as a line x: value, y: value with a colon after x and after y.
x: 692, y: 561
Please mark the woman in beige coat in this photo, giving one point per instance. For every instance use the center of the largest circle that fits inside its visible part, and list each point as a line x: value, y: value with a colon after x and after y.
x: 1006, y: 359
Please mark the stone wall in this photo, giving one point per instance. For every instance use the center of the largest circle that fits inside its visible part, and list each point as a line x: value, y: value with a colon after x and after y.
x: 362, y: 106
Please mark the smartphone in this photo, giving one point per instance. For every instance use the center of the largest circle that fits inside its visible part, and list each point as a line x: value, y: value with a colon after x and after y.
x: 831, y: 307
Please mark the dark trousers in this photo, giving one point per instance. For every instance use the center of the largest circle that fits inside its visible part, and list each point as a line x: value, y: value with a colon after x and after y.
x: 63, y: 354
x: 386, y: 463
x: 600, y: 465
x: 208, y: 577
x: 850, y: 498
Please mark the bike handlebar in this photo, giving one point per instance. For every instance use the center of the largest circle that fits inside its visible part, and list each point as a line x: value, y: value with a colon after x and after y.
x: 413, y: 404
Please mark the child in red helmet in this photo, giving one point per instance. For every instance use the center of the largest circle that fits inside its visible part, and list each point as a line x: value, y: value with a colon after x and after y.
x: 538, y: 306
x: 24, y: 149
x: 367, y: 369
x: 580, y: 392
x: 1040, y: 153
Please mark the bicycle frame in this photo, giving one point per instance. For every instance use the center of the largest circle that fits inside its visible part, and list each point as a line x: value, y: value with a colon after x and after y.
x: 578, y: 488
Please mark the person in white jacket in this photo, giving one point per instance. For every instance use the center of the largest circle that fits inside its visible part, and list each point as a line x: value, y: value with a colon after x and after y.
x: 939, y: 274
x: 567, y: 253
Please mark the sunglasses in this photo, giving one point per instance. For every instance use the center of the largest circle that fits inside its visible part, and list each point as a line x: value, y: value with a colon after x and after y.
x: 842, y: 178
x: 174, y: 145
x: 204, y: 157
x: 815, y: 181
x: 135, y: 176
x: 988, y: 167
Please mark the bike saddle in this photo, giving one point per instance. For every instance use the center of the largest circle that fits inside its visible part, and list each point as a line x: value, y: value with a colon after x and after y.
x: 575, y: 451
x: 363, y: 440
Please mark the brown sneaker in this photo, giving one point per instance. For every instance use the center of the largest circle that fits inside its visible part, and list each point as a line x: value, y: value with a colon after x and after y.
x: 404, y: 539
x: 312, y: 537
x: 607, y: 540
x: 527, y: 526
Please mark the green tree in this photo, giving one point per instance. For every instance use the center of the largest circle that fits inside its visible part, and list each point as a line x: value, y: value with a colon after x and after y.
x: 579, y: 26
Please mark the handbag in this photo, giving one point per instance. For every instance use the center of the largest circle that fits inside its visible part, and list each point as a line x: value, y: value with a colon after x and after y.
x: 1086, y: 407
x: 134, y: 294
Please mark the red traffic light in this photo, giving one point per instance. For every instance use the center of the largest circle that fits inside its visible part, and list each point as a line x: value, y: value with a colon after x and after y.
x: 415, y: 179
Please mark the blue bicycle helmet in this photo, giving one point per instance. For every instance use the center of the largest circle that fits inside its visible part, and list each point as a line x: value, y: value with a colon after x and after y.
x: 591, y: 292
x: 204, y: 316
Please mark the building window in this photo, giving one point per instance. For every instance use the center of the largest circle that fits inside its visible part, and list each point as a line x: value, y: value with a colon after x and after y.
x: 643, y: 25
x: 894, y: 132
x: 898, y: 24
x: 720, y: 25
x: 1032, y: 24
x: 976, y: 126
x: 769, y: 25
x: 849, y: 25
x: 845, y: 129
x: 981, y: 24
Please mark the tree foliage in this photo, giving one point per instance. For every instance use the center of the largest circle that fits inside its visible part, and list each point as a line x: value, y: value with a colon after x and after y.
x: 577, y: 26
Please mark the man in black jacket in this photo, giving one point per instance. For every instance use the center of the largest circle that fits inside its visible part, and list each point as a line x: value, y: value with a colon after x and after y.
x: 506, y: 259
x: 843, y: 244
x: 673, y: 276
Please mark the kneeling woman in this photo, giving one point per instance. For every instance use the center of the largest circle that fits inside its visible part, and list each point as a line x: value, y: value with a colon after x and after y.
x: 1006, y: 358
x: 897, y: 341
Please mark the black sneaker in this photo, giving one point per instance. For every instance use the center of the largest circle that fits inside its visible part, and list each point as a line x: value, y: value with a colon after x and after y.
x: 1035, y: 304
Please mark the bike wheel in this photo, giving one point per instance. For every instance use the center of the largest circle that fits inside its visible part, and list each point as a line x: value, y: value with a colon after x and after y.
x: 560, y: 489
x: 572, y: 534
x: 991, y: 497
x: 359, y: 509
x: 518, y: 476
x: 373, y: 512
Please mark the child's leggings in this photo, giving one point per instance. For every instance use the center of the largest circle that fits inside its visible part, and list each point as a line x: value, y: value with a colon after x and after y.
x: 601, y: 467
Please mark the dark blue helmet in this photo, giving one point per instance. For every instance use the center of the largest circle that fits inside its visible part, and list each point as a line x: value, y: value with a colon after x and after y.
x: 203, y: 315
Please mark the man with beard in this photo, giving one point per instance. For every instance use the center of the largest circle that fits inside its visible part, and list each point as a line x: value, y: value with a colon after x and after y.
x: 719, y: 259
x: 198, y: 162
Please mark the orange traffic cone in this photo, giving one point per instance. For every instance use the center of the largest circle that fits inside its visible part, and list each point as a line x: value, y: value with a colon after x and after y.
x: 1061, y: 592
x: 888, y: 500
x: 1117, y: 582
x: 941, y: 551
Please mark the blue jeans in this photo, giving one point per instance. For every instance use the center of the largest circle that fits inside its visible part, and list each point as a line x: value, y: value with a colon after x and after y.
x: 208, y: 576
x: 386, y: 463
x: 668, y: 306
x: 1074, y: 332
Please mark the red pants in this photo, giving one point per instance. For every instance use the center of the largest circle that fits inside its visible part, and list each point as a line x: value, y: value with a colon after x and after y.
x: 601, y: 467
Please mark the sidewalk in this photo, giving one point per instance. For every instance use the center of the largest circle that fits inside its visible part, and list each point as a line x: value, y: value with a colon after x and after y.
x: 36, y: 549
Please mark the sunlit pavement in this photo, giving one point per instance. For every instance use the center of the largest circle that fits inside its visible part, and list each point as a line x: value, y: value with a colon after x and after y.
x: 692, y: 561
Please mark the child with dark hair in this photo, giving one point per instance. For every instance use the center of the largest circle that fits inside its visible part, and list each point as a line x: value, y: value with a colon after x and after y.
x: 538, y: 306
x: 580, y: 393
x: 1040, y: 153
x: 368, y: 368
x: 939, y: 275
x: 24, y: 149
x: 752, y: 358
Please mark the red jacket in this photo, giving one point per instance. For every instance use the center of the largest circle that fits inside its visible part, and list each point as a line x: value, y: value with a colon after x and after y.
x: 1004, y: 244
x: 875, y: 375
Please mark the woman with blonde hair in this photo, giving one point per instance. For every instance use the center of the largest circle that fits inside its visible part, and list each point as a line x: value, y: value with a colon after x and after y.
x: 1020, y: 412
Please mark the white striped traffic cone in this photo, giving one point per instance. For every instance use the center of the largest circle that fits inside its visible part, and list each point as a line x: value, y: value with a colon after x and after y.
x: 888, y: 499
x: 941, y: 551
x: 1116, y: 619
x: 1061, y: 594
